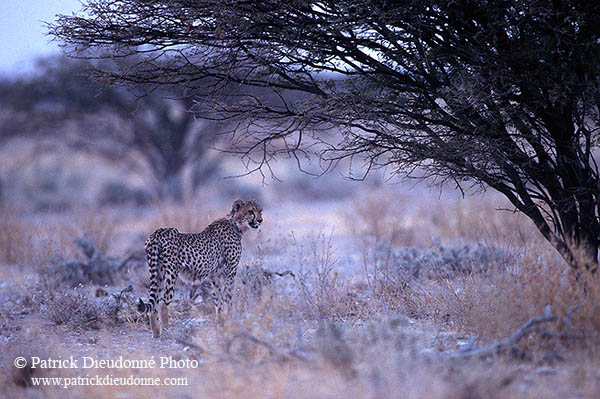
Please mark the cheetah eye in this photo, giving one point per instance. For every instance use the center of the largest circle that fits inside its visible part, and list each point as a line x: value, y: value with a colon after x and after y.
x: 251, y: 212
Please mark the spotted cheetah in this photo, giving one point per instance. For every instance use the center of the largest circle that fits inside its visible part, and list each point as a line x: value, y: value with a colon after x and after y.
x: 213, y: 254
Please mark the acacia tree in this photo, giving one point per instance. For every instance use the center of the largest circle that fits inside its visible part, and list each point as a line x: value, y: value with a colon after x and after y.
x: 503, y: 93
x: 112, y: 121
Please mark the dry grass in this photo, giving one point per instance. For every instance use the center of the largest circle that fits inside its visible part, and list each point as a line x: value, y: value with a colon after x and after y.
x: 319, y: 283
x: 14, y: 235
x: 403, y: 220
x: 27, y: 240
x: 324, y: 333
x: 491, y: 303
x: 492, y: 306
x: 380, y: 217
x: 191, y: 216
x: 475, y: 218
x: 73, y: 309
x: 99, y: 225
x: 381, y: 360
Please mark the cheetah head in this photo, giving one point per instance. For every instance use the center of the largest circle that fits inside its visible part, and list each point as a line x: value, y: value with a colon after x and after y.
x: 246, y: 213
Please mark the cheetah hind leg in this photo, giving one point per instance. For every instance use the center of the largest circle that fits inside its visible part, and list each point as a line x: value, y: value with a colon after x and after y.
x: 154, y: 324
x: 164, y: 315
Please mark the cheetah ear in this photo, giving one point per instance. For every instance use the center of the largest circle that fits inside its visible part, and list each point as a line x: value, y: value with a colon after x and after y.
x: 256, y: 205
x: 237, y: 204
x: 260, y: 208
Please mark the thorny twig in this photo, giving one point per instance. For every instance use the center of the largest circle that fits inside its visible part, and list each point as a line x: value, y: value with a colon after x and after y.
x: 280, y: 274
x: 285, y: 355
x: 121, y: 295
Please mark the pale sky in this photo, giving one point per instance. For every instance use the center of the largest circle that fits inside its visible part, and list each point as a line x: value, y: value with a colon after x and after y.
x: 23, y: 34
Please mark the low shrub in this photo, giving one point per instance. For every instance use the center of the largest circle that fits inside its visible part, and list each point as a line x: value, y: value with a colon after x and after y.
x: 495, y: 304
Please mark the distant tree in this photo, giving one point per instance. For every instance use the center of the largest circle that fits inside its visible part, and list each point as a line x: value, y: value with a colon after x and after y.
x: 503, y: 93
x: 112, y: 121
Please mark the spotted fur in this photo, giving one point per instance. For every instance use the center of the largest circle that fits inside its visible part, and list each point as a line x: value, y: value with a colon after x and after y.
x: 212, y: 255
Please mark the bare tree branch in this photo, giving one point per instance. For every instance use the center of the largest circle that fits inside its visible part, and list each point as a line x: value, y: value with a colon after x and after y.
x: 502, y: 93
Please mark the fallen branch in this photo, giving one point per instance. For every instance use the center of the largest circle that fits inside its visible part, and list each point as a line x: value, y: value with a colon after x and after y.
x: 509, y: 344
x: 567, y: 321
x: 97, y: 268
x: 563, y: 334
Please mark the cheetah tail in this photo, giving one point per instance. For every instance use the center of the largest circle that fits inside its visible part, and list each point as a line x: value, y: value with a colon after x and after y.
x: 144, y: 307
x: 152, y: 250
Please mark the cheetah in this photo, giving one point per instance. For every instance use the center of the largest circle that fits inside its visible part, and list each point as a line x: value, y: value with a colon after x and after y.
x: 213, y: 253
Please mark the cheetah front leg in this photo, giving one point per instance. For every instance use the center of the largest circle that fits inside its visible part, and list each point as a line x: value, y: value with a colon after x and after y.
x: 229, y: 268
x: 164, y: 315
x: 217, y: 297
x: 228, y: 291
x: 221, y: 290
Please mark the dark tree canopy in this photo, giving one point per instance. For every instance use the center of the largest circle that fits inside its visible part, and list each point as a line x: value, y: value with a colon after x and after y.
x: 504, y: 93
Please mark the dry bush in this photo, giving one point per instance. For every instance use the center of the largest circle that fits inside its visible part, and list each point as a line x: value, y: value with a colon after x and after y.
x: 79, y: 306
x: 318, y: 281
x: 119, y: 307
x: 495, y: 304
x: 395, y: 276
x: 404, y: 264
x: 260, y: 308
x: 96, y: 268
x: 256, y: 284
x: 72, y: 308
x: 78, y: 310
x: 324, y: 293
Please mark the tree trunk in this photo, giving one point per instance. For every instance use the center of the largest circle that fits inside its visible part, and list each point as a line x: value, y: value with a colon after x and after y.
x: 585, y: 254
x: 170, y: 187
